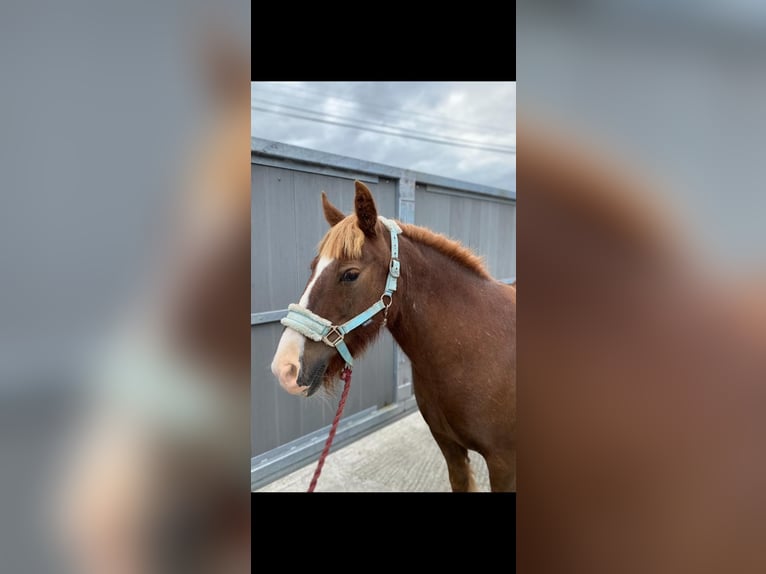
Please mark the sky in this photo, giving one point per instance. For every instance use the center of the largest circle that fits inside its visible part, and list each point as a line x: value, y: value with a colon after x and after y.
x: 461, y: 130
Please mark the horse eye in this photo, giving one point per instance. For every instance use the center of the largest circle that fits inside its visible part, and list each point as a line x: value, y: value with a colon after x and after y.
x: 350, y: 275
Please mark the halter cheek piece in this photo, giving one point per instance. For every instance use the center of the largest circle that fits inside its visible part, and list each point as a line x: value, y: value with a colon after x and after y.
x: 318, y: 328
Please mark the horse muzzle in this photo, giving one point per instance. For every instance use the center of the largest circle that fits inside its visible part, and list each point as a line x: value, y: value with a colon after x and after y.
x: 310, y: 380
x: 298, y: 381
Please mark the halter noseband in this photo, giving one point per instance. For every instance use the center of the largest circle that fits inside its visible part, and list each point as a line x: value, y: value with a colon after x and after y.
x: 320, y: 329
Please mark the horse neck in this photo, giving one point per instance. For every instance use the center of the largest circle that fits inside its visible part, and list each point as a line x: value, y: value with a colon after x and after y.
x: 436, y: 302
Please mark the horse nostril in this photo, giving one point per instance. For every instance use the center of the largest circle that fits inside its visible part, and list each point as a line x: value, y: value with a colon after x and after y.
x: 289, y: 373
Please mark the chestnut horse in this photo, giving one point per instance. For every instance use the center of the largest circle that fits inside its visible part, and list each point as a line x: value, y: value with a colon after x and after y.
x: 453, y: 320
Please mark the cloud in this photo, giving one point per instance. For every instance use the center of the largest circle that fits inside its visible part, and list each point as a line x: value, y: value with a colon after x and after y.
x: 475, y: 123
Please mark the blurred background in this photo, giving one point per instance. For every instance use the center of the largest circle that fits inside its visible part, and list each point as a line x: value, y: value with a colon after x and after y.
x: 642, y: 252
x: 677, y: 88
x: 102, y: 108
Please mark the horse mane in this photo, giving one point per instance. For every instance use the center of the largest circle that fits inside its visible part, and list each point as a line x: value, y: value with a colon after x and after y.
x: 453, y: 249
x: 345, y: 240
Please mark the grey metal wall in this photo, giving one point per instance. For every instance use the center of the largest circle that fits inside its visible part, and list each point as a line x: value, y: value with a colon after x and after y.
x: 485, y: 224
x: 287, y: 224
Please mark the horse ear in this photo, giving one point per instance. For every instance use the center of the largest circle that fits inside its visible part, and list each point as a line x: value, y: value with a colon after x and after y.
x: 331, y: 213
x: 366, y: 212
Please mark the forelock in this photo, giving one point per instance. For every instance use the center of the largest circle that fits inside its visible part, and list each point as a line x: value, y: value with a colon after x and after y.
x: 344, y: 240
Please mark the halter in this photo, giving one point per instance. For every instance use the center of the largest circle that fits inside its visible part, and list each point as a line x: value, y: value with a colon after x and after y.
x: 320, y: 329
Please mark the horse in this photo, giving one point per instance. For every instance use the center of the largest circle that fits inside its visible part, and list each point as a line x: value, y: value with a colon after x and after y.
x: 643, y: 371
x: 454, y: 321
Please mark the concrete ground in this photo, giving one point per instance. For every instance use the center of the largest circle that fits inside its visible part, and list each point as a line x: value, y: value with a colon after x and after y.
x: 401, y: 457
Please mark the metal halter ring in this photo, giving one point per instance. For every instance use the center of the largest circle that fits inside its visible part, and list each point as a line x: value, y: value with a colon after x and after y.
x: 333, y: 331
x: 390, y: 299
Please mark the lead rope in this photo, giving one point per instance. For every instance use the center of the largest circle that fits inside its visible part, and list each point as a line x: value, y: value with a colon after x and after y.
x: 346, y: 377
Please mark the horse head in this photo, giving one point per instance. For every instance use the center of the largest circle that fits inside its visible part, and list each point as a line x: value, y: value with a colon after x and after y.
x: 348, y: 276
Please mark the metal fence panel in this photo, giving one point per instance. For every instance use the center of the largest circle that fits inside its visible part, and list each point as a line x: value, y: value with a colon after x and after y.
x: 485, y: 224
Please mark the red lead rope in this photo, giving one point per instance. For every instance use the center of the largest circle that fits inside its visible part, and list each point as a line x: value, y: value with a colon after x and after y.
x: 346, y: 377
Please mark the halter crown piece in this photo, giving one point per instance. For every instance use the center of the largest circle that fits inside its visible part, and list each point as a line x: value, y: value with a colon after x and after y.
x: 318, y: 328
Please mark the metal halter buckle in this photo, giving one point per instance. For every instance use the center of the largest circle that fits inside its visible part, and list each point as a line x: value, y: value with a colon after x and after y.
x: 393, y: 268
x: 333, y: 331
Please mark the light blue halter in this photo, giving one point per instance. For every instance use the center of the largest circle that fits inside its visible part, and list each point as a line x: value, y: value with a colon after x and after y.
x: 320, y: 329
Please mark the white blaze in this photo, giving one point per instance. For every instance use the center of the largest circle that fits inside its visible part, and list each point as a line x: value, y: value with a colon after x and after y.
x: 287, y: 359
x: 321, y: 266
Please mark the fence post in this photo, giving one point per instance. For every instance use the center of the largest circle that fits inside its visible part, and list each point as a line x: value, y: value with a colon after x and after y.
x: 405, y: 212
